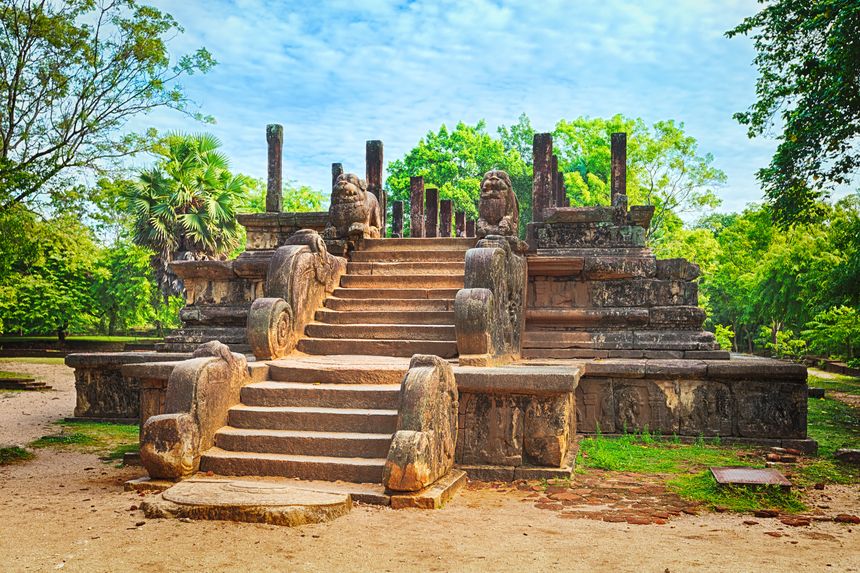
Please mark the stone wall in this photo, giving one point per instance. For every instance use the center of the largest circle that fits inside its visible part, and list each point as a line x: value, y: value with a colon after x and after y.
x: 755, y: 400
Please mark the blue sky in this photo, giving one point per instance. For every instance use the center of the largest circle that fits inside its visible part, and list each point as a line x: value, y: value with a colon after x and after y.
x: 337, y: 73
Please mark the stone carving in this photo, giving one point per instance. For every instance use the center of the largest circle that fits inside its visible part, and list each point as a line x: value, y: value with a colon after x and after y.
x: 301, y: 274
x: 498, y: 208
x: 199, y: 393
x: 488, y: 312
x: 354, y: 212
x: 422, y: 450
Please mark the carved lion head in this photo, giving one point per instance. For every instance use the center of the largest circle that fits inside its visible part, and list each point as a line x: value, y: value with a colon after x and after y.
x: 348, y: 188
x: 496, y: 183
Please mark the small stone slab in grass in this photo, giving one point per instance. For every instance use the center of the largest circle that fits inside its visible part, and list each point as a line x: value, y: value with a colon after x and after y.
x: 249, y: 501
x: 749, y: 476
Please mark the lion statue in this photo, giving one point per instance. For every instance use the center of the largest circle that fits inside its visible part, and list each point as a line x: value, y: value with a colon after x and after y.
x: 354, y: 213
x: 498, y: 208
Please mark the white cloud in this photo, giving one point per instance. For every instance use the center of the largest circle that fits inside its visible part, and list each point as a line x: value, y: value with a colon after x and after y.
x: 339, y: 72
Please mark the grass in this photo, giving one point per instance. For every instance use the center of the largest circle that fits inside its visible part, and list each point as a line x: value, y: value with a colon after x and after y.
x: 13, y: 455
x: 5, y: 374
x: 641, y: 453
x: 111, y: 441
x: 35, y: 360
x: 94, y: 338
x: 847, y: 384
x: 702, y: 487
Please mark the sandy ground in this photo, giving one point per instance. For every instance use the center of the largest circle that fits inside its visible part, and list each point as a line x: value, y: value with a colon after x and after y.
x: 26, y: 416
x: 67, y: 511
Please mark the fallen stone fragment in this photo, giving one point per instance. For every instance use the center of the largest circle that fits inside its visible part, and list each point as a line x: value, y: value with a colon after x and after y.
x: 773, y: 533
x: 765, y: 513
x: 846, y: 518
x: 795, y: 521
x: 848, y: 456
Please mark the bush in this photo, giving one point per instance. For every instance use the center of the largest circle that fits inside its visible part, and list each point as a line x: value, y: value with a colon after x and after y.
x: 834, y: 332
x: 725, y: 336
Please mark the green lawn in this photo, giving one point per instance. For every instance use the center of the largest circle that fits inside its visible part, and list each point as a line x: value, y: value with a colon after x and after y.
x: 14, y: 454
x: 35, y: 359
x: 87, y: 338
x: 110, y: 441
x: 847, y: 384
x: 6, y: 374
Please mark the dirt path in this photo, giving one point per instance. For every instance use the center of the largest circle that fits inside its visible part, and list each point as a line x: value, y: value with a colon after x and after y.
x: 26, y: 416
x: 67, y: 511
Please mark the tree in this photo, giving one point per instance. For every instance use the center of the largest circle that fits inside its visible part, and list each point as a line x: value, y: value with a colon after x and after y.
x: 664, y: 166
x: 185, y: 206
x: 72, y: 73
x: 296, y: 198
x: 455, y: 162
x: 123, y: 287
x: 808, y: 57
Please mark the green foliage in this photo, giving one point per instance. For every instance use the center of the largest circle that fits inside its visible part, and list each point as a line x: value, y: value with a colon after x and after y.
x: 72, y: 73
x: 725, y: 336
x: 123, y: 287
x: 296, y: 198
x: 703, y: 487
x: 664, y: 167
x: 185, y: 206
x: 782, y: 343
x: 833, y: 424
x: 808, y: 57
x: 14, y: 454
x: 455, y: 162
x: 835, y: 331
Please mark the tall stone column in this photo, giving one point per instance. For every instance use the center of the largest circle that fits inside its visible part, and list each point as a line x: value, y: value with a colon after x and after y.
x: 373, y: 160
x: 460, y: 224
x: 274, y: 189
x: 446, y: 208
x: 542, y: 181
x: 470, y: 228
x: 397, y: 218
x: 416, y: 207
x: 554, y: 174
x: 618, y: 166
x: 562, y: 189
x: 431, y: 212
x: 336, y: 171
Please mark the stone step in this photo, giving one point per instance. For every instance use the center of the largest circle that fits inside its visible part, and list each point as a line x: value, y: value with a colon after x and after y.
x: 423, y: 244
x: 356, y: 369
x: 382, y: 331
x: 408, y: 255
x: 295, y: 442
x: 385, y: 317
x: 390, y: 304
x: 358, y: 470
x: 367, y: 347
x: 448, y: 281
x: 315, y: 419
x: 426, y: 267
x: 398, y: 293
x: 271, y: 393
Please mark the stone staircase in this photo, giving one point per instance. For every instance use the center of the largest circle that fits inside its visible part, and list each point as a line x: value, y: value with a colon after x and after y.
x: 313, y: 423
x: 396, y: 299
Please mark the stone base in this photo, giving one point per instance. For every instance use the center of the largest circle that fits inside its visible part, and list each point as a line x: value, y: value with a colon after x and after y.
x: 248, y: 501
x: 434, y: 496
x: 512, y: 473
x: 148, y: 485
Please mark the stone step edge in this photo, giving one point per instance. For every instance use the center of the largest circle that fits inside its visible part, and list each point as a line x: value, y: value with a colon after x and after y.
x: 216, y: 452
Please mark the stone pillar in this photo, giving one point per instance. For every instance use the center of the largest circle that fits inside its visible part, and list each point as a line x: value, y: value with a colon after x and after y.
x: 275, y: 139
x: 554, y: 173
x: 618, y: 173
x: 373, y: 176
x: 446, y: 208
x: 565, y: 202
x: 431, y: 212
x: 397, y: 219
x: 336, y: 171
x: 460, y: 224
x: 416, y: 206
x: 542, y: 181
x: 470, y: 228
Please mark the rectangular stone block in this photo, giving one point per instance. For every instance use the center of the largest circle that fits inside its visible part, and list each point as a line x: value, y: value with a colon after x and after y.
x: 768, y: 409
x: 595, y: 406
x: 608, y: 267
x: 677, y: 269
x: 547, y: 429
x: 645, y: 405
x: 642, y: 293
x: 676, y: 317
x: 706, y: 408
x: 596, y: 235
x: 492, y: 430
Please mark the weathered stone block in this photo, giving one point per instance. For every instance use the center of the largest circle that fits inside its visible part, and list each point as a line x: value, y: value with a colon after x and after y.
x: 769, y: 409
x: 492, y: 430
x: 676, y: 317
x: 614, y: 267
x: 547, y: 430
x: 595, y: 406
x: 645, y: 404
x: 705, y: 408
x: 677, y: 269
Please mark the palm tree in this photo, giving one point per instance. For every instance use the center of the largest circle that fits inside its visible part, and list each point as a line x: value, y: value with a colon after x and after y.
x: 185, y: 206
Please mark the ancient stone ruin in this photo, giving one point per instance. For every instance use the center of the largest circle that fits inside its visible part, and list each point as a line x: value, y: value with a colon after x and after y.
x: 396, y: 362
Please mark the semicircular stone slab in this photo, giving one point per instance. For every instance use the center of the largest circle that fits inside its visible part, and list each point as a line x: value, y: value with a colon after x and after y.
x: 250, y: 501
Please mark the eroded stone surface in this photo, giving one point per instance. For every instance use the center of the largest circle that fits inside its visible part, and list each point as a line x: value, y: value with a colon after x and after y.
x: 275, y: 503
x: 354, y: 212
x: 498, y: 208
